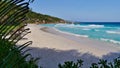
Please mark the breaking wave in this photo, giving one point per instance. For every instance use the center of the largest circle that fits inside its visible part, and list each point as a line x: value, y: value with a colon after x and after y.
x: 110, y: 40
x: 113, y: 32
x: 80, y: 26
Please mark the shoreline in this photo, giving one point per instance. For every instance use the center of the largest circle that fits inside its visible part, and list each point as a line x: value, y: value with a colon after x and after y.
x: 74, y: 37
x: 60, y: 47
x: 102, y: 38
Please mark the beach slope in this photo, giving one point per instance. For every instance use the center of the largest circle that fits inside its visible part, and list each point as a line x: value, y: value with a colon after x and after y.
x: 54, y: 47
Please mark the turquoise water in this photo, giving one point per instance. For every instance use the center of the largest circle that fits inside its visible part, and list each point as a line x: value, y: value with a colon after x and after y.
x: 104, y: 32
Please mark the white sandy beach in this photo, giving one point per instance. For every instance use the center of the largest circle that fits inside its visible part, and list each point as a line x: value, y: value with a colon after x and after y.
x: 54, y: 47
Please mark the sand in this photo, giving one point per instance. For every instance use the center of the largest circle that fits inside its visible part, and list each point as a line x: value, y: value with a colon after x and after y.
x: 55, y: 47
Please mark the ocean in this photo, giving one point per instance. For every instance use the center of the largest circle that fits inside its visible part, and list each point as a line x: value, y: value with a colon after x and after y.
x: 103, y: 31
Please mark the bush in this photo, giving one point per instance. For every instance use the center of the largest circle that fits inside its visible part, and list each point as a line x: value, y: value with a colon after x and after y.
x: 71, y: 64
x: 100, y: 64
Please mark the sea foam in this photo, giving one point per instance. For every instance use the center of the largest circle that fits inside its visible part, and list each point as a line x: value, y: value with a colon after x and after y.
x: 80, y: 26
x: 113, y: 32
x: 71, y: 33
x: 110, y: 40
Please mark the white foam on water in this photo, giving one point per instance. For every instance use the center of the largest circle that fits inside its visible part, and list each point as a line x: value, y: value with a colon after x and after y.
x: 97, y: 30
x: 110, y: 40
x: 64, y: 25
x: 113, y: 32
x: 70, y: 33
x: 86, y: 29
x: 80, y: 26
x: 96, y: 26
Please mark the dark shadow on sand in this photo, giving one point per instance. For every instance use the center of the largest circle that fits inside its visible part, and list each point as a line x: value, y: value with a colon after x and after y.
x: 50, y: 58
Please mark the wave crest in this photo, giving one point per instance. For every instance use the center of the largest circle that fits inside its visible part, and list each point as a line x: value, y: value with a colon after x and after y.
x: 113, y: 32
x: 71, y: 33
x: 110, y: 40
x: 80, y: 26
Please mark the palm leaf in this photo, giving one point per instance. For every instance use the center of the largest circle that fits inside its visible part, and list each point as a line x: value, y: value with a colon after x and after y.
x: 12, y: 17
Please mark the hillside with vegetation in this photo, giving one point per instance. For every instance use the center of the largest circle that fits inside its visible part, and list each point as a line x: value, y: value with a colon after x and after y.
x: 37, y: 18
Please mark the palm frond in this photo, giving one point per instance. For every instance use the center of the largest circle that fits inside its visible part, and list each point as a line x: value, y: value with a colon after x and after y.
x: 12, y: 17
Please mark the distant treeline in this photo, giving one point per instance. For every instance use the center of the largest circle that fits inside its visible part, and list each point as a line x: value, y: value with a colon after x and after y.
x: 37, y: 18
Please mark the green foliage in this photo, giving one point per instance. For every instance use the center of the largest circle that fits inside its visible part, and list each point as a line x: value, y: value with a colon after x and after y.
x: 12, y: 16
x: 100, y: 64
x: 34, y: 17
x: 71, y: 64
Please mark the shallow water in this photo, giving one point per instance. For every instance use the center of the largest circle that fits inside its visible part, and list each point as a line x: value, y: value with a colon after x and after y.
x: 99, y: 31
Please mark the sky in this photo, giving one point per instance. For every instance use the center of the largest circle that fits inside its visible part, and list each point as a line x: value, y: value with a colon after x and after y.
x: 80, y: 10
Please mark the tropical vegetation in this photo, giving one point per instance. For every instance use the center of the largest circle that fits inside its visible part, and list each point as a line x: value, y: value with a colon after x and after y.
x: 37, y: 18
x: 12, y: 16
x: 101, y: 64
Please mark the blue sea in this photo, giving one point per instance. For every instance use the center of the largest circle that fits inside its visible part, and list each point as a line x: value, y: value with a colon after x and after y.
x: 104, y: 31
